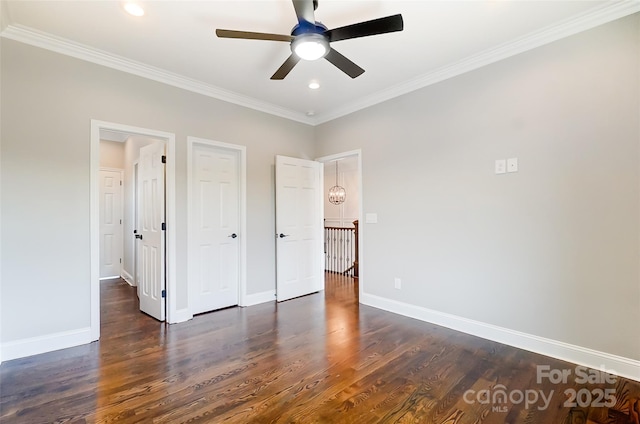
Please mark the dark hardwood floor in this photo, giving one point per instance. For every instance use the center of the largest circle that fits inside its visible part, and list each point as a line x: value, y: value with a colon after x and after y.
x: 322, y: 358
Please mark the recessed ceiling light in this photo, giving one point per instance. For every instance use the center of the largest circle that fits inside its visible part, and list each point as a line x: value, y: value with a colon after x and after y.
x: 311, y: 113
x: 314, y: 85
x: 134, y: 9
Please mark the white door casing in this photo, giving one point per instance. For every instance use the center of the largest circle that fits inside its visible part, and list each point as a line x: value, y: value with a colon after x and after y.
x: 214, y: 237
x: 299, y: 227
x: 111, y: 237
x: 151, y: 176
x: 174, y: 314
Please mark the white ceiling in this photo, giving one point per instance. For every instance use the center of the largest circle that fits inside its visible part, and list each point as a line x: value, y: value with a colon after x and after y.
x: 175, y: 43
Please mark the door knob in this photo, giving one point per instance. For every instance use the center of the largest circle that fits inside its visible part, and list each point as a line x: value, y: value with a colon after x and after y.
x: 139, y: 236
x: 283, y: 235
x: 234, y: 235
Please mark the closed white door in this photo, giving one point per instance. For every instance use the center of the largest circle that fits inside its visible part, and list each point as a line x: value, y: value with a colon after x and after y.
x: 110, y: 224
x: 214, y: 246
x: 152, y: 214
x: 299, y: 228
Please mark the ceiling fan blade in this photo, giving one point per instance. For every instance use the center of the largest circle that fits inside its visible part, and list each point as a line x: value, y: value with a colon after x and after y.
x: 304, y: 10
x: 344, y: 64
x: 246, y: 35
x: 363, y: 29
x: 286, y: 67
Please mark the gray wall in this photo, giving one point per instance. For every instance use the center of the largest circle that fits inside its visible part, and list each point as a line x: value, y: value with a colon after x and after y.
x: 48, y: 101
x: 551, y: 250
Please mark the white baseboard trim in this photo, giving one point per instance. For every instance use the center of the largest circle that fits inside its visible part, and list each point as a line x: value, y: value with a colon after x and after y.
x: 48, y: 343
x: 618, y: 365
x: 257, y: 298
x: 181, y: 315
x: 128, y: 278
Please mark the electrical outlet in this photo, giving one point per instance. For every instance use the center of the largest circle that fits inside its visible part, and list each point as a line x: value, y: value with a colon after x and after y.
x: 501, y: 166
x: 397, y: 283
x: 512, y: 165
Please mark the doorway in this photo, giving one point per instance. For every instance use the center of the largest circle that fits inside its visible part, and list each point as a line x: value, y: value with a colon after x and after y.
x: 345, y: 259
x: 168, y: 139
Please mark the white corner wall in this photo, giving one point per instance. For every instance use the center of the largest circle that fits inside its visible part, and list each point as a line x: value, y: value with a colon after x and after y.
x: 112, y: 154
x: 546, y: 258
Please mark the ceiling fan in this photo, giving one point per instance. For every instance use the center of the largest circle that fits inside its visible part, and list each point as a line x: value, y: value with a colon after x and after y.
x: 310, y: 39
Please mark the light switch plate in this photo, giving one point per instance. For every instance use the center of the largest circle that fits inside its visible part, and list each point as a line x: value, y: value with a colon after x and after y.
x: 512, y: 165
x: 371, y: 218
x: 397, y: 283
x: 501, y: 166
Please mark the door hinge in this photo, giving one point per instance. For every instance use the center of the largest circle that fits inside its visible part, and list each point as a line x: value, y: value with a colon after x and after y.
x: 120, y: 260
x: 164, y: 227
x: 120, y: 182
x: 164, y: 159
x: 120, y: 222
x: 164, y: 293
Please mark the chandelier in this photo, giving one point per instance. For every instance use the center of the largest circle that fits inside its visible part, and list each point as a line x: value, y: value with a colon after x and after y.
x: 337, y: 194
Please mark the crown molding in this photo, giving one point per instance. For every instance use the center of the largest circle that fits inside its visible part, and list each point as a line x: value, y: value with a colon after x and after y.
x: 585, y: 21
x: 60, y: 45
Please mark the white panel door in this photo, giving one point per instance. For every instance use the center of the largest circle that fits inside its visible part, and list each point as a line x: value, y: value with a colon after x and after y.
x: 214, y: 274
x: 152, y: 212
x: 110, y: 224
x: 299, y: 228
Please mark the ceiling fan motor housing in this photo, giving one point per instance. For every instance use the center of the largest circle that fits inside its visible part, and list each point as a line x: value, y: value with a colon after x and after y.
x: 304, y: 27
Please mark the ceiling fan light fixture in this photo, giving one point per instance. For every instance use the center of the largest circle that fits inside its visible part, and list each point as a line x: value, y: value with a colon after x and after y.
x: 310, y: 39
x: 310, y: 46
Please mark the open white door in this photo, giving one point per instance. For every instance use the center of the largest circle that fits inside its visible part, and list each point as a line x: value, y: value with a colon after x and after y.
x: 299, y: 253
x: 152, y: 213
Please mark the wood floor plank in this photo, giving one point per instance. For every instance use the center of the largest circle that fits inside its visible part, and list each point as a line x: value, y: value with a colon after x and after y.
x: 322, y: 358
